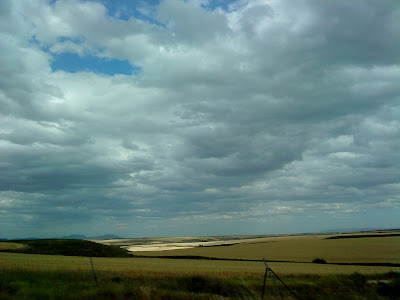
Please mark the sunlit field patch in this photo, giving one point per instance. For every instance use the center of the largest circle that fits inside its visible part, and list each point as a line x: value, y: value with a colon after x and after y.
x: 174, y: 266
x: 10, y: 246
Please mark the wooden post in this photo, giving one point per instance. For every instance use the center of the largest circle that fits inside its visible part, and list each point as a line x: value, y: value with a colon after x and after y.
x: 265, y: 277
x: 94, y: 273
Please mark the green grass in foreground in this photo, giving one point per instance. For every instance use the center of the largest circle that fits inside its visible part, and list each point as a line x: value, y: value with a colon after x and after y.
x: 22, y: 284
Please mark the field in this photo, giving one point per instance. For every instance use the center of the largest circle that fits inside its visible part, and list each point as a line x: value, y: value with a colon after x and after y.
x: 176, y: 266
x: 303, y: 249
x: 10, y: 246
x: 378, y: 248
x: 365, y: 267
x: 32, y: 276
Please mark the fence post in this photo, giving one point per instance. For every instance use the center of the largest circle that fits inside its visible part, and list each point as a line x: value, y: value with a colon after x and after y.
x: 265, y: 277
x: 267, y: 269
x: 94, y: 273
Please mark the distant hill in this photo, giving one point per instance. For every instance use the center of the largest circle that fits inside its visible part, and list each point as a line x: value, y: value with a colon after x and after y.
x: 68, y: 247
x: 71, y: 237
x: 106, y: 237
x: 75, y: 237
x: 354, y: 229
x: 83, y: 237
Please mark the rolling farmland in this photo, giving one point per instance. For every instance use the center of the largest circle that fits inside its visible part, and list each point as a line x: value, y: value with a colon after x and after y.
x: 203, y: 268
x: 383, y: 248
x: 303, y: 250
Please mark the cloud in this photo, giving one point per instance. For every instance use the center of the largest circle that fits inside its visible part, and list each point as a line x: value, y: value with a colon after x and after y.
x: 240, y: 113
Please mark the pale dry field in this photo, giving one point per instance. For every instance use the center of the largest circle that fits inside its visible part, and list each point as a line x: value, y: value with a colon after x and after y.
x: 35, y: 262
x: 174, y: 243
x: 166, y: 246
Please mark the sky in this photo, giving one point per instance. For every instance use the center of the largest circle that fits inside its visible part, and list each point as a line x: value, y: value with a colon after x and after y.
x: 195, y: 118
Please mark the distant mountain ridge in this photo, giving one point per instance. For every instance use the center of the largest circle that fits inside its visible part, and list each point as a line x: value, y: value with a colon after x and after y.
x: 354, y: 229
x: 106, y: 237
x: 73, y: 237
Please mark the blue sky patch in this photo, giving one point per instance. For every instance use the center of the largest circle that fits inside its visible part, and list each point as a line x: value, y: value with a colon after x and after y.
x: 74, y: 40
x: 71, y: 62
x: 124, y: 9
x: 213, y: 4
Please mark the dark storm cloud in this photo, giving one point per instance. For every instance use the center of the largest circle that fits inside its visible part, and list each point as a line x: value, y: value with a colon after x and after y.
x: 259, y: 109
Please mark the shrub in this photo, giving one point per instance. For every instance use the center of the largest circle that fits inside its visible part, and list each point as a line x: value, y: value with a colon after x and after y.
x: 319, y: 261
x: 358, y: 280
x: 391, y: 289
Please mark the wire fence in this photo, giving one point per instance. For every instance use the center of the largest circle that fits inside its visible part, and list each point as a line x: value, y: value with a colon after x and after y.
x: 271, y: 273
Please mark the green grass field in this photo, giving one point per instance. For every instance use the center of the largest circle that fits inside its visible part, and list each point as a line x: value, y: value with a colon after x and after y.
x: 10, y: 246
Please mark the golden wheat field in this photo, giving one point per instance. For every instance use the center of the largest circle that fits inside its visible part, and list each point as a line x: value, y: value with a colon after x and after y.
x: 173, y: 266
x: 295, y: 254
x: 302, y: 248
